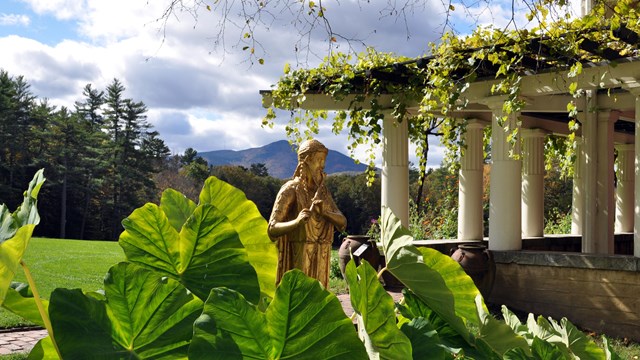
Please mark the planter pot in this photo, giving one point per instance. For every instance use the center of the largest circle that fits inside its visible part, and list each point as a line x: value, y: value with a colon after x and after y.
x: 476, y: 260
x: 361, y: 247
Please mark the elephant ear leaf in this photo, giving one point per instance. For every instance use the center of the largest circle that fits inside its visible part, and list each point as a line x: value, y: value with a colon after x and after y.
x: 375, y: 311
x: 407, y: 264
x: 15, y: 232
x: 304, y: 321
x: 206, y: 253
x: 250, y: 225
x: 177, y: 207
x: 20, y: 301
x: 143, y: 315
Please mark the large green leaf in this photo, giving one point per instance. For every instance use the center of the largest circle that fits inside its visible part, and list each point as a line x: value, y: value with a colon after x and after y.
x: 564, y: 336
x: 514, y: 323
x: 250, y: 225
x: 576, y: 341
x: 44, y: 350
x: 461, y: 285
x: 207, y: 252
x: 20, y: 301
x: 413, y: 308
x: 374, y: 309
x: 546, y: 351
x: 498, y: 335
x: 144, y: 316
x: 304, y: 321
x: 407, y: 264
x: 15, y: 231
x: 177, y: 207
x: 425, y: 342
x: 540, y: 350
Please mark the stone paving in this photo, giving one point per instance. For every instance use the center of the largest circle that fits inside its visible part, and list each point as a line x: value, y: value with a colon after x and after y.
x: 19, y: 341
x: 23, y: 341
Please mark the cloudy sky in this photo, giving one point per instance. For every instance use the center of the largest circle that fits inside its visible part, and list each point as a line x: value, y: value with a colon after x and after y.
x: 201, y: 88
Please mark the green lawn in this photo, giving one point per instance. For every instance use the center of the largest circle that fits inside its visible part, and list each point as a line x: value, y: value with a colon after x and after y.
x: 56, y: 263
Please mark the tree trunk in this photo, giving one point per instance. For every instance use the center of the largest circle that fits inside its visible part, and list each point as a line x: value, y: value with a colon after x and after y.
x: 63, y: 202
x: 422, y: 175
x: 85, y: 212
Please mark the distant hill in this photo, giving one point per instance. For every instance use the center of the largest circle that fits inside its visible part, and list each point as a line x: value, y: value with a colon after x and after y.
x: 279, y: 159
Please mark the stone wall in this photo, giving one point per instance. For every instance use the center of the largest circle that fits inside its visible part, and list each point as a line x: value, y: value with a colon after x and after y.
x: 597, y: 293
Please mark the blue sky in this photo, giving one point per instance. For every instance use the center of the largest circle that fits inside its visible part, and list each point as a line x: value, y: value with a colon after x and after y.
x: 17, y: 18
x: 199, y: 95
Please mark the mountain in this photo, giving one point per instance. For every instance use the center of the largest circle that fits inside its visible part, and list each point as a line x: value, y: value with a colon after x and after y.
x: 280, y: 159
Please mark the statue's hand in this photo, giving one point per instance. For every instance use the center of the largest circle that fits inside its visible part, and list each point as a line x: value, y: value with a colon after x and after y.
x: 316, y: 207
x: 303, y: 216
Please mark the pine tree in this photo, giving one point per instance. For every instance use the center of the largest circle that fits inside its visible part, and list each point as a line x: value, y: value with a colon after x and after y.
x: 95, y: 155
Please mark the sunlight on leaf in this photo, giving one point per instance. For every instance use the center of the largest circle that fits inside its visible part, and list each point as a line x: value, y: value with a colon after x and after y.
x: 143, y: 315
x: 304, y: 321
x: 15, y: 232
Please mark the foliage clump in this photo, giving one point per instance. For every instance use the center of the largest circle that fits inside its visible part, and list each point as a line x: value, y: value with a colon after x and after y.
x: 174, y: 298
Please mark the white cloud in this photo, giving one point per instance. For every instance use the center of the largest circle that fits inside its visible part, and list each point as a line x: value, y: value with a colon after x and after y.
x: 14, y: 19
x: 60, y: 9
x: 198, y: 95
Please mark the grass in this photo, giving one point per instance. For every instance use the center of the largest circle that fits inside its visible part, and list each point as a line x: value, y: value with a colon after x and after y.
x: 626, y: 349
x: 16, y: 356
x: 337, y: 284
x: 71, y: 264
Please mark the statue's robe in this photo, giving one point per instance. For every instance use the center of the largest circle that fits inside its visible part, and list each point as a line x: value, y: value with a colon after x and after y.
x: 307, y: 247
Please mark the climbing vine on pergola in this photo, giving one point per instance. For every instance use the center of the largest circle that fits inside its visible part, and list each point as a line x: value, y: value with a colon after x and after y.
x: 435, y: 85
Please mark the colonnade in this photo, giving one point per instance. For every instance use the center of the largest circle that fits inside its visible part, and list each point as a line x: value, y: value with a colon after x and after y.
x: 603, y: 188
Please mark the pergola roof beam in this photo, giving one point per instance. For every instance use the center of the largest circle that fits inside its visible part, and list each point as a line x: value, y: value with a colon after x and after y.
x: 593, y: 47
x: 625, y: 34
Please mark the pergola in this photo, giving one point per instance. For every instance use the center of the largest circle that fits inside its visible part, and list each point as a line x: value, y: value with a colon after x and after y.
x: 609, y: 115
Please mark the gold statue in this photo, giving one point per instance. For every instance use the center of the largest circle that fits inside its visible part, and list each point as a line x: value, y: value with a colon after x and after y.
x: 304, y: 217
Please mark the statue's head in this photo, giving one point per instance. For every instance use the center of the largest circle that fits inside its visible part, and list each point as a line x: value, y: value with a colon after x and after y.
x: 309, y: 147
x: 311, y: 158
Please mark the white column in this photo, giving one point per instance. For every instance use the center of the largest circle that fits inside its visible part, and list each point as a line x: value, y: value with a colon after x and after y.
x: 470, y: 226
x: 533, y: 182
x: 589, y: 137
x: 577, y: 204
x: 504, y: 202
x: 586, y: 7
x: 636, y: 206
x: 625, y: 187
x: 395, y: 168
x: 605, y: 202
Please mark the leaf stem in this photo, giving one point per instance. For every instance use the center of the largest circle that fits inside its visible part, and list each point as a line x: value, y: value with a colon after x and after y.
x: 43, y: 313
x: 381, y: 271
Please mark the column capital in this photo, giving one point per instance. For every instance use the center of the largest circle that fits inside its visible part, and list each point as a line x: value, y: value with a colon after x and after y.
x: 625, y: 147
x: 476, y: 124
x: 534, y: 133
x: 496, y: 102
x: 607, y: 115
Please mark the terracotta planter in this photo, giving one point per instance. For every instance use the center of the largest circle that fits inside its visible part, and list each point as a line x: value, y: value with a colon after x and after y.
x: 352, y: 245
x: 477, y: 262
